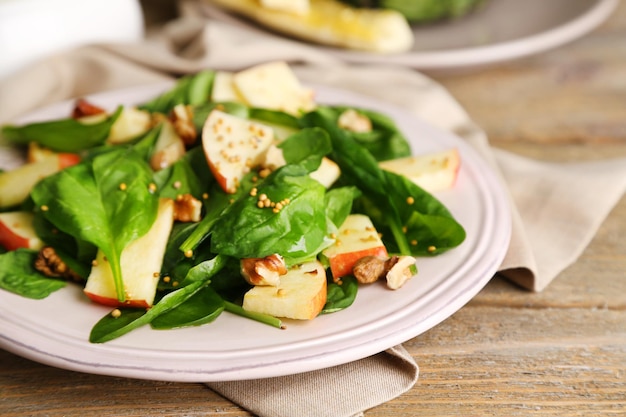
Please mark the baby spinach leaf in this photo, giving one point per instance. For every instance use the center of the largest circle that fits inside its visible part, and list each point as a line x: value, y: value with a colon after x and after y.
x: 384, y: 141
x: 64, y: 135
x: 178, y: 179
x: 414, y: 219
x: 17, y: 275
x: 253, y: 315
x: 201, y: 308
x: 297, y: 231
x: 201, y: 112
x: 306, y: 148
x: 274, y: 117
x: 339, y: 203
x: 340, y: 295
x: 191, y: 89
x: 107, y: 202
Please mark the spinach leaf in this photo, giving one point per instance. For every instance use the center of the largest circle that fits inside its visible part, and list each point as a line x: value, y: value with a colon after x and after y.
x: 191, y: 89
x: 17, y: 275
x: 384, y: 141
x: 201, y: 308
x: 107, y: 202
x: 416, y: 220
x: 274, y: 117
x: 110, y: 327
x: 283, y: 124
x: 178, y: 179
x: 428, y: 225
x: 64, y: 135
x: 297, y: 231
x: 306, y: 148
x: 340, y: 295
x: 201, y: 112
x: 339, y: 203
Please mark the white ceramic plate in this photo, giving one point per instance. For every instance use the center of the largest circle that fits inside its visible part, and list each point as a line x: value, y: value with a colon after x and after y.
x: 55, y: 330
x: 501, y: 30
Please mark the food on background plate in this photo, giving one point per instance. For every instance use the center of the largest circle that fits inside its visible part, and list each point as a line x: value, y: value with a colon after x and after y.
x: 421, y: 11
x: 331, y: 22
x: 379, y: 26
x: 268, y: 206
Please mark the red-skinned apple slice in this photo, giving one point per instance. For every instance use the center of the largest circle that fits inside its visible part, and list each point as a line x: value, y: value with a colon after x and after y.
x: 140, y: 262
x: 357, y: 237
x: 15, y: 185
x: 233, y: 146
x: 16, y: 231
x: 433, y: 172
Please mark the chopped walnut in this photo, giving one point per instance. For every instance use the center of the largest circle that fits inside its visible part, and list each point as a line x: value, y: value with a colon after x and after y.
x: 369, y: 269
x: 84, y: 108
x: 400, y: 272
x: 187, y: 208
x: 354, y: 121
x: 182, y: 119
x: 51, y: 265
x: 397, y: 270
x: 263, y: 271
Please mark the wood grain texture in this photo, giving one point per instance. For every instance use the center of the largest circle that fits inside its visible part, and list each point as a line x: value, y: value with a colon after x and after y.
x: 508, y: 352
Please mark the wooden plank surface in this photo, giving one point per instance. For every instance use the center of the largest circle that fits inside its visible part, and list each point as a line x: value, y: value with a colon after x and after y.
x: 561, y: 352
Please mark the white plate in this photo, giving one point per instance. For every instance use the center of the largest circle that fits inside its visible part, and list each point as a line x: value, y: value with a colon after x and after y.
x: 501, y: 30
x: 55, y: 330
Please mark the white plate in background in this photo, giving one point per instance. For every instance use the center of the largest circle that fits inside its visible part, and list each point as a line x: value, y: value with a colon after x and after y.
x: 501, y: 30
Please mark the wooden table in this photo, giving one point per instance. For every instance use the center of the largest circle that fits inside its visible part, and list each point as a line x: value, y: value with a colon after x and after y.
x: 508, y: 352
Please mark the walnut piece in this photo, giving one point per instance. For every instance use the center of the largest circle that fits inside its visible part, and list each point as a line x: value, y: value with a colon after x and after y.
x: 83, y: 108
x: 396, y: 269
x: 187, y: 208
x: 263, y: 271
x: 51, y: 265
x: 369, y: 269
x: 400, y: 272
x: 354, y: 121
x: 182, y: 120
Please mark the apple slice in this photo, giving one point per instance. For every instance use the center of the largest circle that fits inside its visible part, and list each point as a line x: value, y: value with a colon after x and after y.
x: 17, y: 231
x: 273, y: 86
x: 168, y: 149
x: 327, y: 173
x: 300, y: 295
x: 224, y: 89
x: 141, y: 264
x: 15, y: 185
x: 131, y: 123
x: 233, y: 146
x: 357, y: 237
x: 433, y: 172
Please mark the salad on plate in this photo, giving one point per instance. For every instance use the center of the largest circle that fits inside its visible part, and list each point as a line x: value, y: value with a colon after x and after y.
x: 231, y: 191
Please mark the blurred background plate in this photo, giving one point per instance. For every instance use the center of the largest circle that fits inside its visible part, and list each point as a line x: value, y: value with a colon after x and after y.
x: 501, y: 30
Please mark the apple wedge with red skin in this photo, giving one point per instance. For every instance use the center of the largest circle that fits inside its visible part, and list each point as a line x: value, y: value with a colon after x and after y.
x: 434, y: 171
x: 233, y: 146
x: 17, y: 231
x: 356, y: 238
x: 140, y: 263
x: 15, y: 185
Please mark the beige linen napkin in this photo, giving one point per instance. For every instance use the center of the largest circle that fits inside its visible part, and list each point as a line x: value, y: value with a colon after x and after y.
x: 550, y: 224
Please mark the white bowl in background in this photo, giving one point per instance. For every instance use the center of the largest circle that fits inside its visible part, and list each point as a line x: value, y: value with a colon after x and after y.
x: 33, y: 29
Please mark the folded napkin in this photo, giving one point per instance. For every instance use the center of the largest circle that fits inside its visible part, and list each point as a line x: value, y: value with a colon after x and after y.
x: 552, y: 218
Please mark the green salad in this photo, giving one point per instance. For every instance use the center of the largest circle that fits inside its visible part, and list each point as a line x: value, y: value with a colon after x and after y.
x: 199, y: 201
